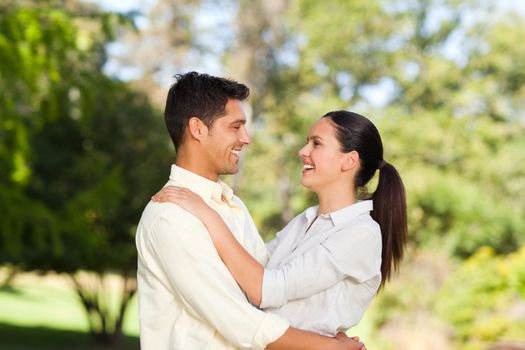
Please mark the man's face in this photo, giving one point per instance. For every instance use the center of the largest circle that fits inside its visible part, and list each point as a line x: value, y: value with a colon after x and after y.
x: 226, y: 137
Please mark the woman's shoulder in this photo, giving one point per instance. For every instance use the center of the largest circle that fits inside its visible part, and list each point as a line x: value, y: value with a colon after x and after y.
x: 367, y: 223
x: 362, y: 229
x: 297, y: 222
x: 304, y: 216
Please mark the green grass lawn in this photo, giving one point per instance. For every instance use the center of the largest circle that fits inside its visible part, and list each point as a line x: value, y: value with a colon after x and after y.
x: 43, y: 312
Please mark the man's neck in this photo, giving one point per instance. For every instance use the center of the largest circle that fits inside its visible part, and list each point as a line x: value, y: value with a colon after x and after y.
x: 195, y: 166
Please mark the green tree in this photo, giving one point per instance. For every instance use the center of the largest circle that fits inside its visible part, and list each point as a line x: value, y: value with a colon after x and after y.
x: 81, y: 153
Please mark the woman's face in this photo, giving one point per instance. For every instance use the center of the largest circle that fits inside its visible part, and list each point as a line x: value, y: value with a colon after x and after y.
x: 322, y: 157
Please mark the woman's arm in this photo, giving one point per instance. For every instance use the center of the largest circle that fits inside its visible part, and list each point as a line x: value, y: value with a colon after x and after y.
x: 244, y: 268
x: 352, y: 251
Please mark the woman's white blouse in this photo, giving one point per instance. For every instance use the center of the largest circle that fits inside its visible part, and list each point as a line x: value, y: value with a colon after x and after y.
x: 323, y: 278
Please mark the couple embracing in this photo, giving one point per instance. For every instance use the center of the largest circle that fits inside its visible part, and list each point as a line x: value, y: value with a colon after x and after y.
x: 206, y: 279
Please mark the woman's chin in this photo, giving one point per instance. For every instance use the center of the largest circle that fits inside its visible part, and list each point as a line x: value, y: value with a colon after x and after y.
x: 306, y: 184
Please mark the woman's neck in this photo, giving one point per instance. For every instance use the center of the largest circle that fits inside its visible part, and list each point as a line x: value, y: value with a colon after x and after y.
x: 330, y: 201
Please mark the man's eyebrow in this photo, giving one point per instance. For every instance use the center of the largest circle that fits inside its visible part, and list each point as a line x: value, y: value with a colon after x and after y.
x: 238, y: 121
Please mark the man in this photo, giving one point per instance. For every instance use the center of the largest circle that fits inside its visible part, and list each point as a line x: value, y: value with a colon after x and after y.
x: 187, y: 298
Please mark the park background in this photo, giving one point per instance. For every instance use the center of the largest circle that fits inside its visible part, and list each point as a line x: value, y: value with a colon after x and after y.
x: 83, y: 147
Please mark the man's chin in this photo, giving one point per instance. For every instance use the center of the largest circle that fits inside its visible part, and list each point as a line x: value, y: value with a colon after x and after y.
x: 230, y: 171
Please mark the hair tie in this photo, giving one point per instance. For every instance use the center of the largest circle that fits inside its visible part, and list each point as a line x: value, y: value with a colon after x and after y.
x: 381, y: 164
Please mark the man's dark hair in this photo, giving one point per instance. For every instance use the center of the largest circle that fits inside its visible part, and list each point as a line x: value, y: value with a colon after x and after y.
x: 198, y: 95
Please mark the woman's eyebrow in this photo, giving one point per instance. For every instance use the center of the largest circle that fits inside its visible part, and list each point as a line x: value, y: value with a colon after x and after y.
x: 314, y: 137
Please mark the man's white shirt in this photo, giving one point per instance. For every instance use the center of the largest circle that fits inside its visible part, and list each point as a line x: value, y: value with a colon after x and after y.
x: 187, y: 297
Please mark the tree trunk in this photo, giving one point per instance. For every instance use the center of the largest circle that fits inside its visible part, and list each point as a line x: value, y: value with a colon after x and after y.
x: 251, y: 59
x: 95, y: 290
x: 11, y: 274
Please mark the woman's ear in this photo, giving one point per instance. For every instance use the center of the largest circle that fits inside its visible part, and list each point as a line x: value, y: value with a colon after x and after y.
x: 197, y: 128
x: 350, y: 161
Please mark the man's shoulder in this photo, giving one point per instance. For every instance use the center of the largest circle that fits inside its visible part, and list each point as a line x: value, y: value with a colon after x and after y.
x: 239, y: 202
x: 171, y: 212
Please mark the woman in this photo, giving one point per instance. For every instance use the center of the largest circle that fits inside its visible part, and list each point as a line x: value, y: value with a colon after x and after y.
x: 327, y: 264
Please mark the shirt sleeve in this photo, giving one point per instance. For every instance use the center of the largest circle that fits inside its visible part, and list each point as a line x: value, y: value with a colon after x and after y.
x: 183, y: 249
x: 354, y: 253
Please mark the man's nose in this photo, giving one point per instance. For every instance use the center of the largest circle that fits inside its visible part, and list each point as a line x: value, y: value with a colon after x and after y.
x: 245, y: 138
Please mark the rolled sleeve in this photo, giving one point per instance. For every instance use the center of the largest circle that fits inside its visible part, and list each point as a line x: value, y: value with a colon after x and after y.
x: 197, y: 276
x: 272, y: 327
x: 273, y: 288
x: 303, y: 276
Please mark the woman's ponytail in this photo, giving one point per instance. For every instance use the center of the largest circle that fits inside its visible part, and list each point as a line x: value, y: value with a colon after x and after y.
x: 358, y: 133
x: 390, y: 212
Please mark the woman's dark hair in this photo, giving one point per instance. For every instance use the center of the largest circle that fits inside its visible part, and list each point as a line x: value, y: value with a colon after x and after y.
x: 198, y: 95
x: 357, y: 133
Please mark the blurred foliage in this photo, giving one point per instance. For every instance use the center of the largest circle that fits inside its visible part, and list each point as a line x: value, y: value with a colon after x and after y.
x: 484, y: 300
x: 443, y: 80
x: 403, y: 314
x: 451, y: 122
x: 80, y: 152
x: 71, y: 138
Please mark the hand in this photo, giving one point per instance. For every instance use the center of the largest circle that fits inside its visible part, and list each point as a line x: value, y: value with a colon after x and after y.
x: 185, y: 198
x: 351, y: 343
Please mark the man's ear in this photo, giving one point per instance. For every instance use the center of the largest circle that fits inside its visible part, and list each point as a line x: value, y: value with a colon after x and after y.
x: 197, y: 128
x: 350, y: 161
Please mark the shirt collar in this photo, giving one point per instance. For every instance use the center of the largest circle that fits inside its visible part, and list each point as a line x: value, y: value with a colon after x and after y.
x: 204, y: 187
x: 342, y: 215
x: 311, y: 213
